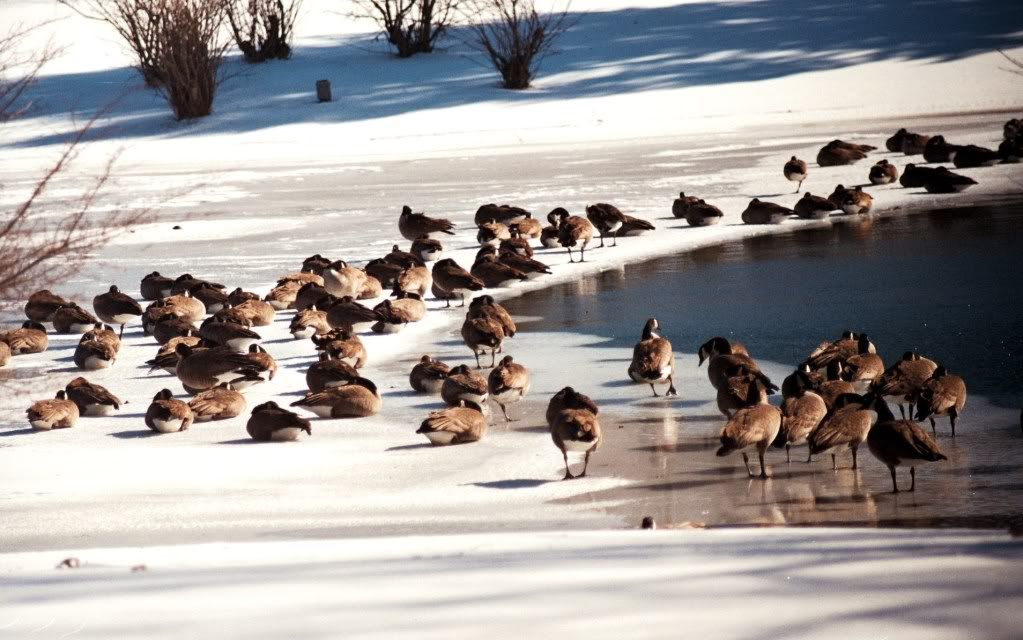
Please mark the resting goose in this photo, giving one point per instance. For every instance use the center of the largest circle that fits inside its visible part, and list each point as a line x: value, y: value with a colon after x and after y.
x: 29, y: 338
x: 270, y: 423
x: 463, y: 384
x: 168, y: 415
x: 59, y: 413
x: 416, y: 225
x: 221, y: 402
x: 92, y: 399
x: 428, y: 375
x: 328, y: 372
x: 883, y: 172
x: 357, y: 399
x: 455, y: 425
x: 43, y: 304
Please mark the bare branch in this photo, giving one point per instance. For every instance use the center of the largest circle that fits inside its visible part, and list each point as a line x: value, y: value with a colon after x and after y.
x: 411, y: 26
x: 262, y: 29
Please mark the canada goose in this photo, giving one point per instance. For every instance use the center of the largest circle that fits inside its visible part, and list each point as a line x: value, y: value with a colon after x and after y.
x: 849, y: 345
x: 228, y: 334
x: 903, y: 379
x: 308, y: 323
x: 283, y: 295
x: 549, y: 234
x: 653, y: 361
x: 485, y: 307
x: 532, y: 268
x: 516, y: 244
x: 701, y: 214
x: 895, y: 441
x: 414, y: 279
x: 945, y: 181
x: 463, y: 384
x: 529, y: 227
x: 883, y: 172
x: 634, y: 226
x: 316, y: 264
x: 349, y: 313
x: 204, y: 369
x: 607, y: 219
x: 800, y: 415
x: 837, y: 153
x: 1012, y: 128
x: 857, y: 202
x: 428, y: 375
x: 863, y: 366
x: 240, y: 296
x: 894, y: 143
x: 167, y: 356
x: 680, y: 206
x: 168, y: 415
x: 428, y: 249
x: 342, y: 345
x: 371, y: 289
x: 455, y: 425
x: 43, y: 304
x: 187, y: 306
x: 454, y: 280
x: 846, y: 425
x: 495, y: 274
x: 258, y: 313
x: 937, y: 150
x: 811, y: 207
x: 270, y: 423
x: 576, y: 430
x: 328, y: 372
x: 1011, y: 150
x: 914, y: 176
x: 5, y: 353
x: 801, y: 379
x: 573, y: 231
x: 187, y: 282
x: 232, y: 315
x: 971, y: 156
x: 507, y: 383
x: 59, y: 413
x: 795, y: 170
x: 734, y: 393
x: 415, y: 225
x: 341, y: 280
x: 913, y: 144
x: 569, y: 398
x: 503, y: 214
x: 357, y: 399
x: 839, y: 195
x: 92, y: 399
x: 214, y: 299
x: 396, y: 314
x: 92, y: 354
x: 759, y: 212
x: 480, y: 334
x: 303, y: 277
x: 221, y: 402
x: 943, y: 394
x: 403, y: 259
x: 835, y: 385
x: 170, y: 326
x: 262, y: 360
x: 491, y: 234
x: 72, y: 319
x: 29, y: 338
x: 756, y: 425
x: 722, y: 354
x: 386, y: 272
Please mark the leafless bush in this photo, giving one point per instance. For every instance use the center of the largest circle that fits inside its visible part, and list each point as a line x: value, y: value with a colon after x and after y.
x: 263, y: 28
x: 19, y: 69
x: 514, y: 36
x: 138, y: 22
x: 411, y: 26
x: 191, y: 54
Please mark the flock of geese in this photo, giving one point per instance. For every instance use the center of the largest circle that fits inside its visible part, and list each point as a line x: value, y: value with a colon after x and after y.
x: 835, y: 399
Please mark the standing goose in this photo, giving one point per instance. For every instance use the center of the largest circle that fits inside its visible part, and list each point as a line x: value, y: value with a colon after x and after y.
x: 576, y: 430
x: 328, y: 372
x: 92, y: 399
x: 428, y: 375
x: 416, y: 225
x: 507, y: 384
x: 760, y: 212
x: 503, y: 214
x: 653, y: 361
x: 569, y: 398
x: 92, y: 354
x: 754, y: 426
x: 59, y: 413
x: 491, y: 234
x: 607, y: 219
x: 863, y: 366
x: 480, y: 334
x: 455, y: 425
x: 348, y: 313
x: 846, y: 425
x: 494, y: 274
x: 43, y: 304
x: 341, y: 280
x: 904, y: 379
x: 204, y: 369
x: 428, y: 249
x: 168, y: 415
x: 800, y: 415
x: 811, y: 207
x: 116, y: 308
x: 72, y: 319
x: 485, y: 307
x: 883, y: 172
x: 943, y: 394
x: 801, y: 379
x: 573, y: 231
x: 357, y: 399
x: 221, y: 402
x: 721, y: 355
x: 308, y: 323
x: 549, y: 234
x: 454, y: 281
x: 896, y: 441
x: 463, y: 384
x: 795, y: 170
x: 271, y: 423
x: 228, y: 334
x: 396, y: 314
x: 734, y: 393
x: 29, y: 338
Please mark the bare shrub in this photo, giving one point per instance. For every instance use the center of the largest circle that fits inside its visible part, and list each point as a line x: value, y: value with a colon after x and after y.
x: 191, y: 54
x: 262, y: 29
x: 514, y: 36
x: 19, y: 69
x: 411, y: 26
x: 138, y: 22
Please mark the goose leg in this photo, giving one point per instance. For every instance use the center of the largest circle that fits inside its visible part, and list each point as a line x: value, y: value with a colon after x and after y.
x: 809, y: 456
x: 601, y: 240
x: 121, y: 334
x: 493, y: 357
x: 895, y: 483
x: 570, y: 260
x: 763, y: 467
x: 582, y: 254
x: 504, y: 410
x: 671, y: 386
x: 834, y: 463
x: 745, y: 460
x: 902, y: 410
x: 447, y: 300
x: 568, y: 474
x: 934, y: 427
x: 912, y: 474
x: 854, y: 457
x: 586, y: 464
x: 788, y: 454
x: 654, y: 390
x: 477, y: 354
x: 952, y: 415
x: 614, y: 238
x: 463, y: 301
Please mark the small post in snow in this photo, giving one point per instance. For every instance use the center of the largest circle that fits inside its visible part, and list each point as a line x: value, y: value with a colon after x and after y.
x: 323, y: 90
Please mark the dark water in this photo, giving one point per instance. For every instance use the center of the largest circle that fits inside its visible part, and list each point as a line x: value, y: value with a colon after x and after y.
x: 948, y: 284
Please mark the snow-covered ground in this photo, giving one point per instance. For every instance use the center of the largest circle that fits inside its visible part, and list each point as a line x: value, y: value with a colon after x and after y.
x: 646, y: 98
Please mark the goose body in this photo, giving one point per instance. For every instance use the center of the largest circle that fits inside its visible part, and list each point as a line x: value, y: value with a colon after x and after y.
x: 283, y: 295
x: 463, y: 384
x: 549, y: 234
x: 91, y: 355
x: 43, y: 304
x: 491, y: 234
x: 847, y: 424
x: 895, y: 442
x: 937, y: 150
x: 270, y: 423
x: 606, y: 219
x: 454, y: 280
x: 634, y: 226
x: 486, y: 307
x: 883, y: 172
x: 702, y: 214
x: 495, y: 274
x: 857, y: 202
x: 167, y: 414
x: 343, y: 345
x: 576, y: 430
x: 568, y: 398
x: 72, y: 319
x: 528, y: 227
x: 395, y: 314
x: 837, y: 153
x: 902, y: 380
x: 204, y: 369
x: 573, y: 231
x: 58, y: 413
x: 358, y: 399
x: 258, y: 312
x: 760, y: 212
x: 341, y: 279
x: 348, y: 313
x: 29, y: 338
x: 328, y: 372
x: 308, y: 323
x: 186, y: 282
x: 795, y: 170
x: 428, y: 375
x: 800, y: 415
x: 944, y: 181
x: 502, y: 214
x: 316, y: 264
x: 914, y: 176
x: 508, y: 383
x: 455, y: 425
x: 416, y: 225
x: 186, y: 306
x: 943, y: 394
x: 811, y: 207
x: 415, y: 279
x: 653, y: 361
x: 756, y: 425
x: 92, y: 399
x: 428, y: 249
x: 482, y: 334
x: 116, y: 307
x: 219, y: 403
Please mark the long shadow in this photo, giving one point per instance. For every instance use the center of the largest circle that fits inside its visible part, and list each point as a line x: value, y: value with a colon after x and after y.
x: 603, y: 53
x: 133, y: 434
x: 520, y: 483
x: 409, y: 447
x: 17, y: 432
